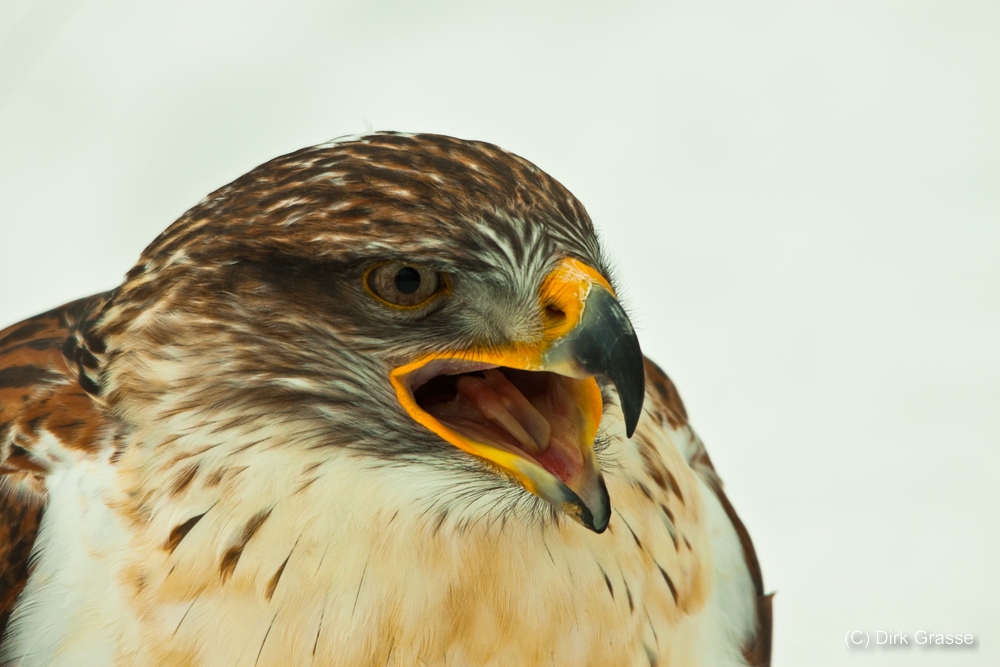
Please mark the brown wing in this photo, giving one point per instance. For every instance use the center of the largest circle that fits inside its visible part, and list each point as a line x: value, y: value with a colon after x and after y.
x: 669, y: 408
x: 40, y: 393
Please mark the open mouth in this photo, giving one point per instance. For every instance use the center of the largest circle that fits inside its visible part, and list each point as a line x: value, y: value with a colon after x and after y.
x: 534, y: 425
x: 531, y: 409
x: 535, y: 415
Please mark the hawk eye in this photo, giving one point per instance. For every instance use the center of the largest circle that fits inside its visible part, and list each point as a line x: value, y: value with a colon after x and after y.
x: 403, y: 284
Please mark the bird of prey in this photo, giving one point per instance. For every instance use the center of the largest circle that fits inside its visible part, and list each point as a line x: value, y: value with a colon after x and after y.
x: 373, y: 403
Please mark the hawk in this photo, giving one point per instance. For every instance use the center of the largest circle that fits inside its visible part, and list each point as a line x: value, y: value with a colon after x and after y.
x: 373, y: 403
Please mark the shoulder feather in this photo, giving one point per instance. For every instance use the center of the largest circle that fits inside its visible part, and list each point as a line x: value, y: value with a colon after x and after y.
x: 40, y: 395
x: 669, y: 408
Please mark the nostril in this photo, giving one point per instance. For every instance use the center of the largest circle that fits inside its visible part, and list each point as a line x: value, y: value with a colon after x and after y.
x: 554, y: 315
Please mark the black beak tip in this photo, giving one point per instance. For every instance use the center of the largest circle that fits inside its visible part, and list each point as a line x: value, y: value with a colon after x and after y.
x: 598, y: 527
x: 631, y: 387
x: 631, y: 421
x: 596, y: 516
x: 603, y: 514
x: 631, y: 396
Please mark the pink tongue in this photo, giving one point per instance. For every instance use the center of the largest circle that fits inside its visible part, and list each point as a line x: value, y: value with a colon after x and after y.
x: 493, y: 410
x: 502, y: 403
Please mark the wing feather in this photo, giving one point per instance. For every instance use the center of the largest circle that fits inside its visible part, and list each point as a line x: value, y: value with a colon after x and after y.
x: 40, y: 393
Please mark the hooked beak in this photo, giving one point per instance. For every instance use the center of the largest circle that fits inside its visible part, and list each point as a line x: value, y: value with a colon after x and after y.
x: 532, y: 409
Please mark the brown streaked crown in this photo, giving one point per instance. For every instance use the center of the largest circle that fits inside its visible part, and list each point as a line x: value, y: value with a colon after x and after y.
x: 386, y: 193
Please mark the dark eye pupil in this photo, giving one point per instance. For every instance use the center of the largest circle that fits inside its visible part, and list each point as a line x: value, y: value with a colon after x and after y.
x: 407, y: 280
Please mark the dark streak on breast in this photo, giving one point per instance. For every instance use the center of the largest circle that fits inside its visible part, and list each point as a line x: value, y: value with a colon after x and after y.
x: 232, y: 556
x: 635, y: 537
x: 264, y: 641
x: 215, y: 478
x: 273, y: 582
x: 305, y: 485
x: 666, y: 510
x: 441, y: 519
x: 180, y: 531
x: 184, y: 478
x: 607, y: 581
x: 674, y: 486
x: 645, y: 491
x: 670, y: 583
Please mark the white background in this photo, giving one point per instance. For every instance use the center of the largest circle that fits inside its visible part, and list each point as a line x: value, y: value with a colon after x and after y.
x: 803, y: 199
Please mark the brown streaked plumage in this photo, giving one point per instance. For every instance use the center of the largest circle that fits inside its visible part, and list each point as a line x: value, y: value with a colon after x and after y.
x: 214, y: 468
x: 38, y: 392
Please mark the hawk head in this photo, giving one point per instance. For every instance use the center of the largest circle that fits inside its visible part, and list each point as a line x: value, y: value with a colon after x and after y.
x: 416, y: 299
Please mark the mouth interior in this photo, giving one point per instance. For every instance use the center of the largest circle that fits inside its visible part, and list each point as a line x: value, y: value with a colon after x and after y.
x: 534, y: 414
